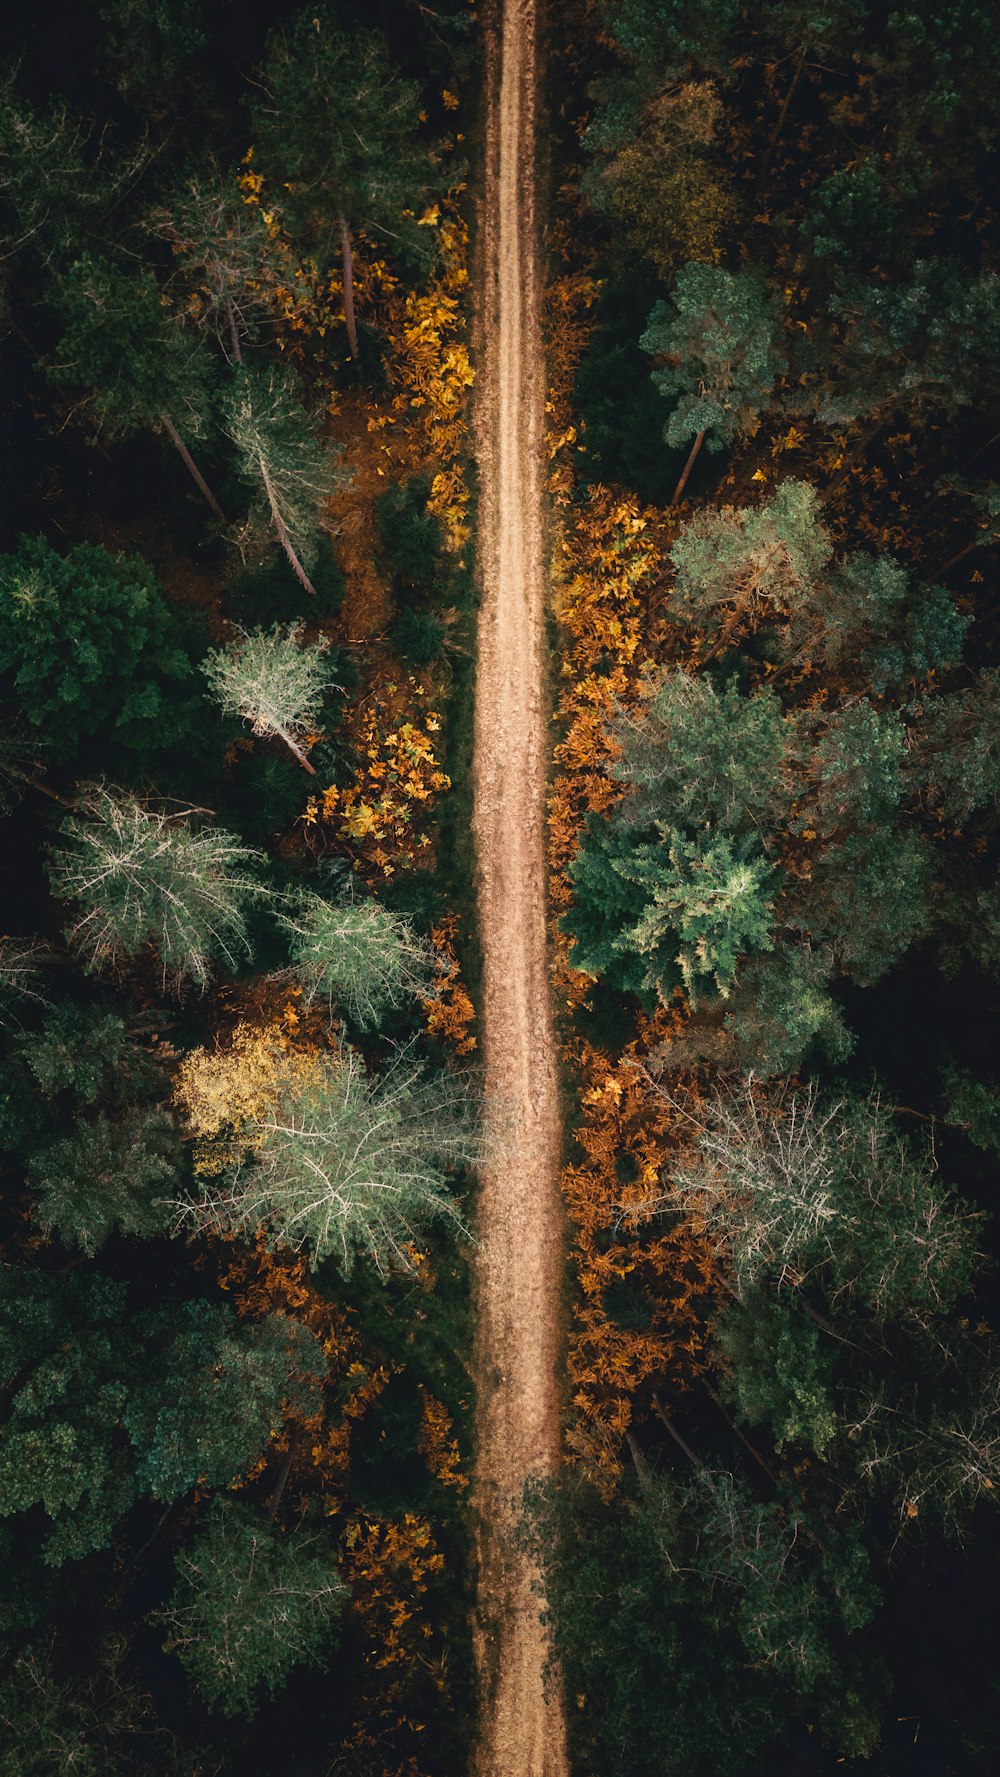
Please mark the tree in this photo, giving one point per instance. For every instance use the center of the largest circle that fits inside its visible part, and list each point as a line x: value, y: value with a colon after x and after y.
x: 102, y: 1405
x: 738, y: 565
x: 250, y: 1604
x: 780, y: 1005
x: 342, y: 131
x: 147, y: 879
x: 59, y: 1443
x: 700, y: 757
x: 869, y: 900
x: 225, y: 261
x: 213, y: 1392
x: 657, y: 43
x: 709, y: 902
x: 795, y: 1188
x: 112, y: 1175
x: 146, y: 45
x: 719, y: 335
x: 954, y: 749
x: 283, y: 456
x: 930, y: 343
x: 854, y: 223
x: 58, y: 181
x: 663, y: 188
x: 357, y: 956
x: 66, y: 1716
x: 91, y: 1053
x: 672, y: 1580
x: 274, y: 680
x: 89, y: 641
x: 141, y: 370
x: 344, y: 1165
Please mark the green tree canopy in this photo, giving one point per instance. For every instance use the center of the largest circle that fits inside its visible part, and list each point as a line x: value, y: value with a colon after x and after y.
x: 111, y: 1175
x: 341, y: 128
x: 719, y: 337
x: 213, y: 1392
x: 147, y: 880
x: 346, y: 1165
x: 102, y: 1405
x: 284, y: 458
x: 91, y: 646
x: 700, y: 756
x: 250, y: 1604
x: 664, y: 189
x: 356, y: 956
x: 275, y: 680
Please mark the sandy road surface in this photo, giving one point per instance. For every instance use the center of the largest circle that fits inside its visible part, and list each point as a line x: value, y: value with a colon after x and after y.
x: 520, y: 1253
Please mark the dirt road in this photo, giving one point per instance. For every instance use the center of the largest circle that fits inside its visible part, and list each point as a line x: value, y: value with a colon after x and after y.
x: 519, y: 1260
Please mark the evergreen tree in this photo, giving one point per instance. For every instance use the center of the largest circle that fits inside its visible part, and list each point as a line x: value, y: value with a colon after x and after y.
x: 344, y: 1165
x: 664, y: 190
x: 141, y: 369
x: 701, y: 757
x: 275, y: 681
x: 225, y: 259
x: 213, y: 1392
x: 797, y: 1188
x: 89, y: 641
x: 56, y: 176
x: 932, y: 343
x: 283, y: 456
x: 251, y: 1604
x: 737, y: 566
x: 342, y: 130
x: 101, y: 1405
x: 112, y: 1175
x: 708, y: 904
x: 145, y: 879
x: 719, y: 334
x: 356, y: 956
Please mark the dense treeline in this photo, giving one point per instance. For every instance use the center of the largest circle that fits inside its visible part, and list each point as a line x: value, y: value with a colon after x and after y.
x: 234, y: 1415
x: 775, y: 341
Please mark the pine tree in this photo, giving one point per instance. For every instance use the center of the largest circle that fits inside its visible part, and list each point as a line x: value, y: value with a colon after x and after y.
x: 275, y: 681
x: 141, y: 369
x: 709, y: 904
x: 283, y: 456
x: 719, y: 334
x: 798, y: 1188
x: 225, y: 261
x: 356, y: 956
x: 700, y: 757
x: 213, y: 1391
x: 145, y: 879
x: 737, y: 566
x: 344, y: 1165
x: 342, y: 130
x: 250, y: 1604
x: 664, y: 190
x: 89, y: 641
x: 110, y: 1176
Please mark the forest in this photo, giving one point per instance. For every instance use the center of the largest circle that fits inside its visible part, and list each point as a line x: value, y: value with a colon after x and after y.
x: 241, y: 1088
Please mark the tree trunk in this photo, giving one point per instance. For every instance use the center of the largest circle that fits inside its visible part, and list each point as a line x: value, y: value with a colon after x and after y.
x: 675, y: 1434
x: 349, y: 317
x: 233, y: 330
x: 293, y: 747
x: 283, y: 538
x: 689, y: 465
x: 190, y: 464
x: 783, y: 113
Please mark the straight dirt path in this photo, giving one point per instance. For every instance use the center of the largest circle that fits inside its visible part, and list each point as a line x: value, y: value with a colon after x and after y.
x: 520, y: 1250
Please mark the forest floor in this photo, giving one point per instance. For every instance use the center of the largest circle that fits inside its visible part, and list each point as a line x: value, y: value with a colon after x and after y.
x: 519, y: 1256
